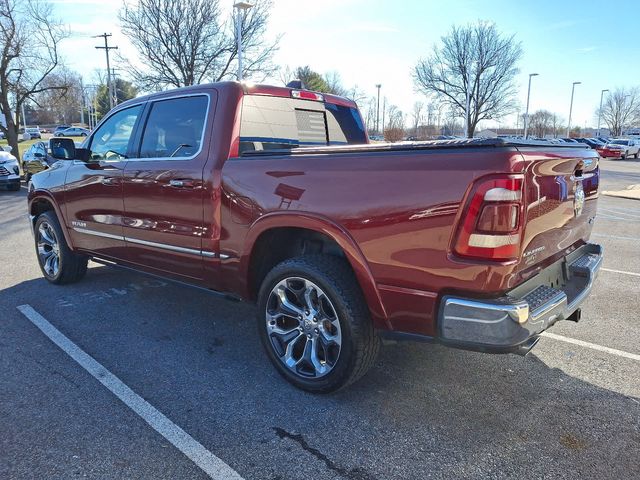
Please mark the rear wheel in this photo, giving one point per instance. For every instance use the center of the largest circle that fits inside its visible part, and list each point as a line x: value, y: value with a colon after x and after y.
x: 58, y: 263
x: 314, y: 323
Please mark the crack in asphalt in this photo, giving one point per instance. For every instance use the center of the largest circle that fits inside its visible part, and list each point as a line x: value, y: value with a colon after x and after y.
x: 356, y: 473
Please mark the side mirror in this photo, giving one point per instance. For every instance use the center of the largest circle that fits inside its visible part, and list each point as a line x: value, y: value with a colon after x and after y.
x: 63, y: 148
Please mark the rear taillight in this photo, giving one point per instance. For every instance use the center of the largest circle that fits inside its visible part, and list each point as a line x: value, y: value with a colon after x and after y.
x: 491, y: 224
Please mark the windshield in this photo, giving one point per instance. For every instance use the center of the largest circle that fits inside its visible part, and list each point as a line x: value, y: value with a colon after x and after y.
x: 620, y: 142
x: 271, y: 123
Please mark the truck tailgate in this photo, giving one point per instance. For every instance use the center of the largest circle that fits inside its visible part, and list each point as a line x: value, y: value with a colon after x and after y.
x: 561, y: 192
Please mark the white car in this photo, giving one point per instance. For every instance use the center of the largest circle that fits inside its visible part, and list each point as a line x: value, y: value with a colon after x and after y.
x: 630, y: 147
x: 33, y: 132
x: 9, y: 171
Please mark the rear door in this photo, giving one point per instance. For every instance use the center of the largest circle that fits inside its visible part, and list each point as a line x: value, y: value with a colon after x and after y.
x: 164, y: 187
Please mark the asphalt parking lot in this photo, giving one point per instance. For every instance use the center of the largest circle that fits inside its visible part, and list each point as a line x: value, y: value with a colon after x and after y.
x: 194, y: 364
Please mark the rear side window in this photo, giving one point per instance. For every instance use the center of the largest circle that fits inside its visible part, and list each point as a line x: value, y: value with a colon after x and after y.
x: 175, y: 128
x: 269, y: 123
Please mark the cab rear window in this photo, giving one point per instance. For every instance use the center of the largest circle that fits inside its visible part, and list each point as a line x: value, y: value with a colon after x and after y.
x: 274, y: 123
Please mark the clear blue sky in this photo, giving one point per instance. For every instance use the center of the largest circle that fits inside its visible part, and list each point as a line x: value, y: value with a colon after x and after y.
x: 379, y: 41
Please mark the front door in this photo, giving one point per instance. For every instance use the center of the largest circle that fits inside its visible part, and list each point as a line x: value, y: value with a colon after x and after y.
x: 164, y: 188
x: 93, y: 190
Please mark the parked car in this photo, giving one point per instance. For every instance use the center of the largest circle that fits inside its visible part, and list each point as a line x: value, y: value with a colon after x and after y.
x: 36, y: 159
x: 340, y: 243
x: 60, y: 128
x: 1, y: 135
x: 72, y: 132
x: 33, y: 132
x: 597, y: 145
x: 9, y: 171
x: 612, y: 151
x: 569, y: 140
x: 629, y: 147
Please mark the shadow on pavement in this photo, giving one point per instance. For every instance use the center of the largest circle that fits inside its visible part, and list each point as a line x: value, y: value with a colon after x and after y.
x: 422, y: 409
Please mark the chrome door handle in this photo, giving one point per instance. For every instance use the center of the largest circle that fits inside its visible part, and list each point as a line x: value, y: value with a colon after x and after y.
x: 181, y: 183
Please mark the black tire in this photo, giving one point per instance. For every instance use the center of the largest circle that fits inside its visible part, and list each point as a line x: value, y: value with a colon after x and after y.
x: 71, y: 266
x: 359, y: 344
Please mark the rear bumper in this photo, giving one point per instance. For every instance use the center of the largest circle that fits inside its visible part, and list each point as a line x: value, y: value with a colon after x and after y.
x: 512, y: 323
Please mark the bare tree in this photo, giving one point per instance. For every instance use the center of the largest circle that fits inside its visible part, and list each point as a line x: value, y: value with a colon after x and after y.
x: 417, y: 116
x: 557, y: 125
x: 394, y: 128
x: 476, y: 58
x: 29, y: 37
x: 187, y: 42
x: 541, y: 123
x: 621, y: 109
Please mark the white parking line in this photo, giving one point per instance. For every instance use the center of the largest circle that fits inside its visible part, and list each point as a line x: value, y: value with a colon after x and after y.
x: 592, y: 346
x: 621, y: 271
x: 203, y: 458
x: 617, y: 237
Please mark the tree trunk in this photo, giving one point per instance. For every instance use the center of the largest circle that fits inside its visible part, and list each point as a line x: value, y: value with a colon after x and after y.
x: 12, y: 130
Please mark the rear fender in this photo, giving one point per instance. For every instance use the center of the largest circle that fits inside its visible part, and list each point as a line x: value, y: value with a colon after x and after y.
x: 332, y: 230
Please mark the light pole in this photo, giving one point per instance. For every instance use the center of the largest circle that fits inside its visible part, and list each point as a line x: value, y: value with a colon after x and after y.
x: 600, y: 111
x: 526, y: 115
x: 573, y: 87
x: 240, y: 7
x: 378, y: 86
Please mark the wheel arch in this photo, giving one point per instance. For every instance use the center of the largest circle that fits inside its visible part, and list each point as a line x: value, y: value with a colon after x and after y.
x: 258, y: 257
x: 40, y: 202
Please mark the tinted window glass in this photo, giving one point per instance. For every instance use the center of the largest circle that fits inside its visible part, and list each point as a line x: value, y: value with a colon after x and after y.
x: 175, y: 128
x: 270, y: 123
x: 111, y: 140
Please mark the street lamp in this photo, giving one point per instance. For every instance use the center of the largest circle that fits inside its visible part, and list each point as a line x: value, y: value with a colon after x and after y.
x: 378, y: 86
x: 526, y: 115
x: 573, y: 87
x: 240, y: 7
x: 600, y: 111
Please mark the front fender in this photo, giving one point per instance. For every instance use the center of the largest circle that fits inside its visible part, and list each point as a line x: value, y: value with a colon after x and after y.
x: 36, y: 195
x: 334, y: 231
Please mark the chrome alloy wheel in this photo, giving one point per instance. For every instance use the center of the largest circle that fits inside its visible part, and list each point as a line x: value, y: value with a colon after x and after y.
x: 303, y: 327
x: 48, y: 249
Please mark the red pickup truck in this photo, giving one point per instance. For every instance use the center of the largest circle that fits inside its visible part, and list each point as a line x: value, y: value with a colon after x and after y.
x: 273, y: 195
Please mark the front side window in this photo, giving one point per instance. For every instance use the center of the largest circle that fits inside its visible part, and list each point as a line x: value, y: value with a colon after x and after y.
x: 111, y: 139
x: 175, y: 128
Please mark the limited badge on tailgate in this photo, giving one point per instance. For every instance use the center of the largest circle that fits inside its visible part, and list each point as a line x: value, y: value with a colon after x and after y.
x: 578, y: 200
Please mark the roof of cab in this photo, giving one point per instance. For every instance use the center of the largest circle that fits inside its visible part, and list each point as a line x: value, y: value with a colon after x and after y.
x: 246, y: 88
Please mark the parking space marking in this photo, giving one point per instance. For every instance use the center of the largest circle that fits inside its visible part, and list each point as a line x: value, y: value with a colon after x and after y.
x: 593, y: 346
x: 203, y: 458
x: 617, y: 237
x: 620, y: 271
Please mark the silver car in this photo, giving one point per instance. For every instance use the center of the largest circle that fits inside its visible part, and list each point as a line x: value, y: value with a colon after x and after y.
x: 73, y: 132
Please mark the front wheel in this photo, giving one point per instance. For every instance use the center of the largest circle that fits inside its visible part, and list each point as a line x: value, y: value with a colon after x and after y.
x: 58, y: 263
x: 314, y: 323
